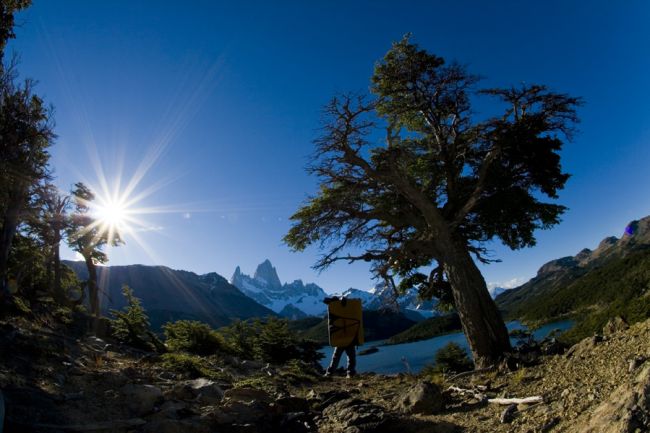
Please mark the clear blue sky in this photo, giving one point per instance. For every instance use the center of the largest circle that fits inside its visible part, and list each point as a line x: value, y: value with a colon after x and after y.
x: 220, y: 100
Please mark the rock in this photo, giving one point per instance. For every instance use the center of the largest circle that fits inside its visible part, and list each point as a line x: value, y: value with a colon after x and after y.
x: 614, y: 325
x: 250, y: 365
x: 292, y: 404
x: 424, y: 398
x: 141, y: 398
x: 194, y: 425
x: 635, y: 363
x: 203, y: 390
x: 551, y: 346
x: 626, y: 410
x: 247, y: 395
x: 550, y: 424
x: 238, y: 412
x: 331, y: 397
x: 584, y: 347
x: 297, y: 422
x: 508, y: 414
x: 354, y: 416
x: 173, y: 410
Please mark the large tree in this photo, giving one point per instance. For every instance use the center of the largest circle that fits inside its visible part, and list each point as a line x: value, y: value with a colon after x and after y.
x: 414, y: 181
x: 25, y: 135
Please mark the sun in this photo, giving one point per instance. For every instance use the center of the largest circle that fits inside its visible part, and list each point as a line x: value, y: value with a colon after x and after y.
x: 113, y: 213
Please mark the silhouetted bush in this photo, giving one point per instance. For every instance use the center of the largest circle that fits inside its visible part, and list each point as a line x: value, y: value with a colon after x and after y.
x: 452, y: 358
x: 131, y: 324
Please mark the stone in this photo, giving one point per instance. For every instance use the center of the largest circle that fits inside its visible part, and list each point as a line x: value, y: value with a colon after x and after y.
x: 202, y: 390
x: 635, y: 363
x: 238, y: 412
x: 614, y: 325
x: 331, y: 397
x: 292, y: 404
x: 194, y: 425
x: 141, y: 398
x: 172, y: 409
x: 423, y: 397
x: 508, y: 414
x: 354, y: 416
x: 247, y: 395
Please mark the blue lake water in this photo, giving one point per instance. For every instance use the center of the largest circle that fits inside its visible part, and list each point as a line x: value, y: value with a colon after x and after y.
x: 418, y: 354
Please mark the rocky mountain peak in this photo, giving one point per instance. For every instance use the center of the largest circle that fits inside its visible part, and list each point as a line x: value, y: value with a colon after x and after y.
x: 266, y: 273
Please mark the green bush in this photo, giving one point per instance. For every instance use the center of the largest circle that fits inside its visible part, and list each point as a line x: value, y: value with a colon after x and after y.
x: 131, y: 324
x: 271, y: 341
x: 193, y: 337
x: 452, y: 358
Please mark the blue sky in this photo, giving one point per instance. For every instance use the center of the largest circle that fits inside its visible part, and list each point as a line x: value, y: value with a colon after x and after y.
x: 220, y: 101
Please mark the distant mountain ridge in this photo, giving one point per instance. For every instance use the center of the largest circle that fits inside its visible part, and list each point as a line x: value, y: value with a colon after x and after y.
x: 297, y: 300
x: 567, y: 285
x: 169, y: 294
x: 294, y: 300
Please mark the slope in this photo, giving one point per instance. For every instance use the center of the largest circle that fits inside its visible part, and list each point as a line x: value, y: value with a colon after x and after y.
x: 169, y: 294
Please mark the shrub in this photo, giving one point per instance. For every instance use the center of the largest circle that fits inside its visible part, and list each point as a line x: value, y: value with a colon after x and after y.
x: 193, y: 337
x: 452, y: 358
x: 270, y: 341
x: 131, y: 324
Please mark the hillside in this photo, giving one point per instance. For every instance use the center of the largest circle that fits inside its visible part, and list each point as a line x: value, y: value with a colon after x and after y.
x: 56, y: 379
x: 169, y: 294
x: 593, y: 286
x: 428, y: 328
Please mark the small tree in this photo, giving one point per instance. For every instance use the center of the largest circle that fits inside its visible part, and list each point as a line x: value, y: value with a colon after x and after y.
x: 87, y: 236
x: 452, y: 358
x: 131, y: 324
x: 443, y: 183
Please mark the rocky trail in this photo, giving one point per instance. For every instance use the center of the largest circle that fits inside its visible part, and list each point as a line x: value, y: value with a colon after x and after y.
x: 52, y: 381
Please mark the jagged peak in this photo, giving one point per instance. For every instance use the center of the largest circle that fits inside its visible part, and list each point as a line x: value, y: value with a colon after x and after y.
x: 236, y: 275
x: 266, y: 273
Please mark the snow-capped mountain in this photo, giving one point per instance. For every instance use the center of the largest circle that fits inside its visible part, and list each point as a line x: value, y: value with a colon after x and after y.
x: 381, y: 297
x: 293, y: 300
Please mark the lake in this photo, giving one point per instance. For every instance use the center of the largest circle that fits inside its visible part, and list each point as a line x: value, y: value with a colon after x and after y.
x: 420, y: 353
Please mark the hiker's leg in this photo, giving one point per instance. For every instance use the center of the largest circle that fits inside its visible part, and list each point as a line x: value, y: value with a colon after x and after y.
x: 351, y: 351
x: 336, y: 357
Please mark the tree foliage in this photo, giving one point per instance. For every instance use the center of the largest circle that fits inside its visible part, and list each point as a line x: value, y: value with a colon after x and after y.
x: 413, y: 181
x: 25, y: 136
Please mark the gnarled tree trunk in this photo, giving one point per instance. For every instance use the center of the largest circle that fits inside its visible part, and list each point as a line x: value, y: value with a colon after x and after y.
x: 482, y: 323
x: 93, y: 291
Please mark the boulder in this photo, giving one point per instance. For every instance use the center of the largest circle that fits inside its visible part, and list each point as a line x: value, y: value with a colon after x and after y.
x: 141, y: 399
x: 423, y: 397
x: 353, y: 416
x: 203, y: 390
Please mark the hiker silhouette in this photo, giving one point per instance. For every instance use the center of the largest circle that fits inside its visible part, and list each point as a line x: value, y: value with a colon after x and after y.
x: 345, y: 331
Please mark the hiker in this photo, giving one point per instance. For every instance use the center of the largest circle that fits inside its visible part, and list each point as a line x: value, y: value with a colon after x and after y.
x: 345, y: 332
